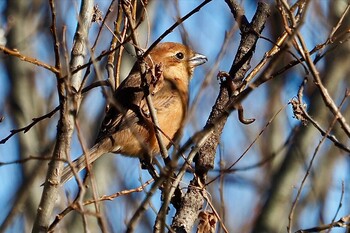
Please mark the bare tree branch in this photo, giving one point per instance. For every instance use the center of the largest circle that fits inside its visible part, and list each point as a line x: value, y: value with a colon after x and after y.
x: 70, y: 102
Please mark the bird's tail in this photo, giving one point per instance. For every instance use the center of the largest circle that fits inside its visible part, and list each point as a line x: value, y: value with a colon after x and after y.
x: 80, y: 163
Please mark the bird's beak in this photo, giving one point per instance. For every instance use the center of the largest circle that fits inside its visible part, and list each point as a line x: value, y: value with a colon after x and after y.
x: 197, y: 59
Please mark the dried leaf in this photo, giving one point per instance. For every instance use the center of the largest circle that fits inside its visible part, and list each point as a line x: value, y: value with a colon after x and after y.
x: 207, y: 222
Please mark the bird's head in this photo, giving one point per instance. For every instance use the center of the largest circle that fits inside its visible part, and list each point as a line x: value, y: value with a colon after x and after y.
x: 177, y: 60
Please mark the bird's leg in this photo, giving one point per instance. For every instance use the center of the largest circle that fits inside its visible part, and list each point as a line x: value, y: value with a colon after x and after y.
x: 146, y: 164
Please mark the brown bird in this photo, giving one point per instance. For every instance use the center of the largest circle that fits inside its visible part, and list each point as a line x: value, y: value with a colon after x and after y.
x: 128, y: 128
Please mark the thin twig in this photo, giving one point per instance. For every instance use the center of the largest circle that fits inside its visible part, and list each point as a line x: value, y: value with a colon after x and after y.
x: 341, y: 19
x: 16, y: 53
x: 340, y: 204
x: 51, y: 113
x: 228, y: 169
x: 29, y: 158
x: 111, y: 197
x: 143, y: 206
x: 213, y: 208
x: 324, y: 92
x: 294, y: 204
x: 343, y: 222
x: 28, y: 127
x: 176, y: 24
x: 305, y: 115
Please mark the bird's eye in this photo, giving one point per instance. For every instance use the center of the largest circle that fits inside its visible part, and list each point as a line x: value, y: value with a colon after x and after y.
x: 180, y: 55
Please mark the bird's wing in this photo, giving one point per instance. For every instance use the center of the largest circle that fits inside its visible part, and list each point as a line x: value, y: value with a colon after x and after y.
x: 125, y: 109
x: 117, y: 119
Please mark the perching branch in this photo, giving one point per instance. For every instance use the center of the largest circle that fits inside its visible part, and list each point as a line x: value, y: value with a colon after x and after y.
x: 183, y: 222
